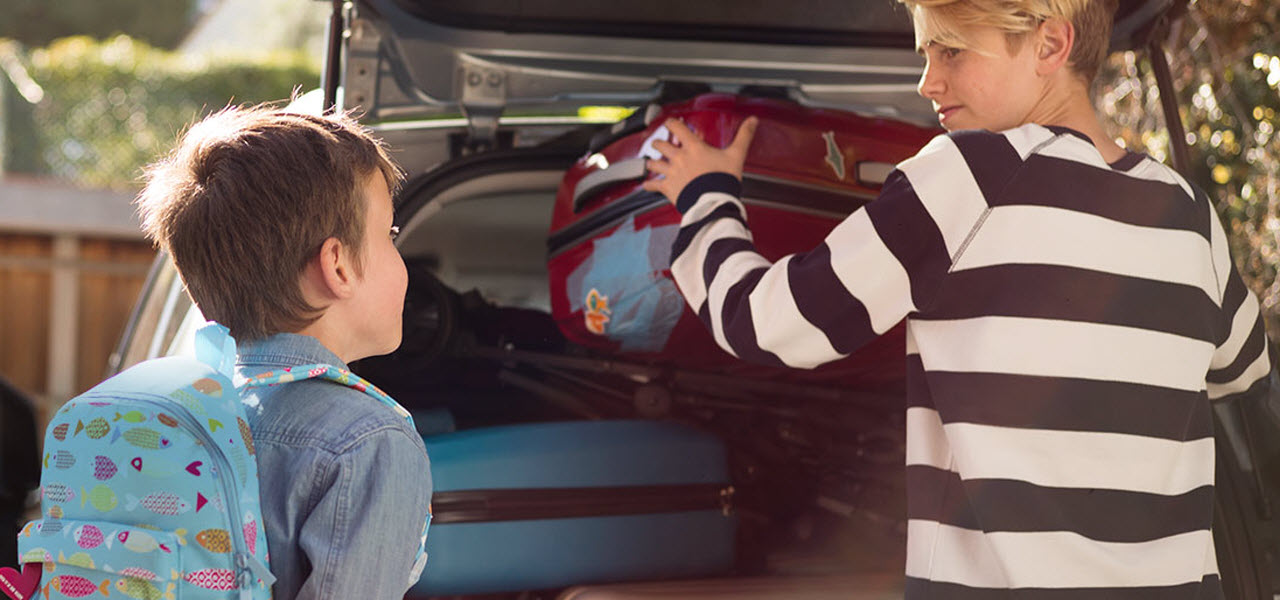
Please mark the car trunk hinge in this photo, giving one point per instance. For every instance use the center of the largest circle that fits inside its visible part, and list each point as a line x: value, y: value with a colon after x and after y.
x: 360, y: 74
x: 483, y: 98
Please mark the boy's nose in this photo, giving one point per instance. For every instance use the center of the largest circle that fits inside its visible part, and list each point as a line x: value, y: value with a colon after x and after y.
x: 930, y: 85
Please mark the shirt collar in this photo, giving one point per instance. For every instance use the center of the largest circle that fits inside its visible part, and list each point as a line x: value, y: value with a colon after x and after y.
x: 286, y: 350
x: 1124, y: 163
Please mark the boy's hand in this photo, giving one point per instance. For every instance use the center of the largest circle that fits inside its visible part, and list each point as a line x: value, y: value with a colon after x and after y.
x: 693, y: 157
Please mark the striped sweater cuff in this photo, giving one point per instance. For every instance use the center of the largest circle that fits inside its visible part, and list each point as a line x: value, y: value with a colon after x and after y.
x: 708, y: 182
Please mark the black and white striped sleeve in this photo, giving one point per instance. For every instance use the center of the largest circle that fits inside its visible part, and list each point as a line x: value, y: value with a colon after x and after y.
x: 880, y: 264
x: 1241, y: 364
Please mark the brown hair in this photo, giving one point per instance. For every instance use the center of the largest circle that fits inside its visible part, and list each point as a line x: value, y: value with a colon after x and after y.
x: 245, y: 201
x: 945, y: 21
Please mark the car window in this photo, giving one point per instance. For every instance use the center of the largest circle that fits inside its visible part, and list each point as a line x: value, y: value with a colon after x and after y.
x: 163, y: 312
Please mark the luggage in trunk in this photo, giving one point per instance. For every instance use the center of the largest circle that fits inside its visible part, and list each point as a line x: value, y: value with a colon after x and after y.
x: 549, y: 505
x: 610, y: 241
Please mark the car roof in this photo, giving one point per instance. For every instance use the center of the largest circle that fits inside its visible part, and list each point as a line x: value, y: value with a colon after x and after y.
x: 866, y: 23
x: 805, y: 22
x: 409, y: 59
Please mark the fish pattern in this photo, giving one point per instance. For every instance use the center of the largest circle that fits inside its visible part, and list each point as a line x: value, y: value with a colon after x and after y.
x: 52, y: 526
x: 64, y: 460
x: 73, y: 586
x: 161, y: 503
x: 145, y: 438
x: 138, y: 572
x: 57, y: 492
x: 102, y: 498
x: 208, y: 387
x: 138, y: 541
x: 88, y: 536
x: 79, y: 559
x: 216, y: 540
x: 189, y: 402
x: 97, y: 428
x: 125, y: 479
x: 103, y: 468
x: 250, y: 532
x: 245, y: 435
x: 37, y: 555
x: 136, y: 587
x: 212, y: 579
x: 132, y: 416
x: 240, y: 462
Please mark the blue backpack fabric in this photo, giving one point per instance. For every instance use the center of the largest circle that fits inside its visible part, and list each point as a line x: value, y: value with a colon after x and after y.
x: 150, y: 485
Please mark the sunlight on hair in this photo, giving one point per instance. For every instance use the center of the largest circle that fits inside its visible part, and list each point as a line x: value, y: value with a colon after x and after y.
x: 951, y: 23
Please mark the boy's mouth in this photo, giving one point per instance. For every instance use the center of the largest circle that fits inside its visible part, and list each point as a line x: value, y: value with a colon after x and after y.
x: 946, y: 112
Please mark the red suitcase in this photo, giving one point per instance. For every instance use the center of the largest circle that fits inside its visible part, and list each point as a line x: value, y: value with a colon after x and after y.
x: 610, y: 241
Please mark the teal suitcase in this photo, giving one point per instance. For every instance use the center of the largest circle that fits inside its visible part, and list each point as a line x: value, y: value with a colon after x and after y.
x: 545, y: 506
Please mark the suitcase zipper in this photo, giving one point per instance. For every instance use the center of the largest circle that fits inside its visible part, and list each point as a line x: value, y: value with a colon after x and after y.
x: 473, y: 506
x: 603, y: 218
x: 806, y: 198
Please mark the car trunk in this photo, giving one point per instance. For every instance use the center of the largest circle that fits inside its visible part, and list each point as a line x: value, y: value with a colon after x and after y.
x: 484, y: 99
x: 815, y: 469
x: 483, y: 104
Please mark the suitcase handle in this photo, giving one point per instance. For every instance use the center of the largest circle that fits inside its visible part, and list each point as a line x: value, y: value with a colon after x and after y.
x: 631, y: 169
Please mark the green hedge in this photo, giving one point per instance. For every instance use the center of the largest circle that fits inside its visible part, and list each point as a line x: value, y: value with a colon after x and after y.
x: 111, y: 107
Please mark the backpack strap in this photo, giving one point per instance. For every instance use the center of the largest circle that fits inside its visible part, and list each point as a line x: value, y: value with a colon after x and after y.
x: 355, y: 382
x: 215, y: 347
x: 329, y: 373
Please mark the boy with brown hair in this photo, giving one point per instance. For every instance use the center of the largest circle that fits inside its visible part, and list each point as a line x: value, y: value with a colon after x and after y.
x: 1071, y: 310
x: 280, y: 225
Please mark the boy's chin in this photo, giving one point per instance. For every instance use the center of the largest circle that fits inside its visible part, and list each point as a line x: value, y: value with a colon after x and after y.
x: 387, y: 348
x: 391, y: 345
x: 953, y: 127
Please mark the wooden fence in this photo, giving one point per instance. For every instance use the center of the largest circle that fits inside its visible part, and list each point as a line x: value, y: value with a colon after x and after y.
x: 66, y: 287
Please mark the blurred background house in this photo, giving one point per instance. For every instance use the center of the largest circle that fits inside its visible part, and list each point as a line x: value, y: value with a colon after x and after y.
x: 90, y: 91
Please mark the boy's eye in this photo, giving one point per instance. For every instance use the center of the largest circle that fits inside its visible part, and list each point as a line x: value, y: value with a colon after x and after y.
x: 395, y: 232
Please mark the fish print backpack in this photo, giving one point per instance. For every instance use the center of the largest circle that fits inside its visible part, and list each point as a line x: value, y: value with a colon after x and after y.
x: 149, y: 487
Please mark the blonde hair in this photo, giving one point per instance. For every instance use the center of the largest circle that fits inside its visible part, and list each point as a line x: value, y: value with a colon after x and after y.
x: 947, y: 22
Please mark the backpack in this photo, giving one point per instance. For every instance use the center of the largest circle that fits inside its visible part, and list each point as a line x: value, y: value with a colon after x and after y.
x: 150, y: 486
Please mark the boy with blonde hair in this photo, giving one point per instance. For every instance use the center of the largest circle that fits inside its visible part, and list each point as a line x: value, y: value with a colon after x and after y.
x: 1072, y: 311
x: 280, y: 225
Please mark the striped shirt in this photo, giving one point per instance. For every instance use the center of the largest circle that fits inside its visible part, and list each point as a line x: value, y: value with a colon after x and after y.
x: 1068, y: 323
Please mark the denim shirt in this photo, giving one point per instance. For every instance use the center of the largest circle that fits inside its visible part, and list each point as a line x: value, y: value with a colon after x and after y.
x: 344, y: 481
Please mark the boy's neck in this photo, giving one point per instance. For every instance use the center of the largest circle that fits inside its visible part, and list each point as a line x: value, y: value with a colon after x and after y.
x: 1072, y: 108
x: 332, y: 337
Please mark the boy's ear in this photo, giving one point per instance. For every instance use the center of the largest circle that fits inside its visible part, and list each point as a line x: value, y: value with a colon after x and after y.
x: 335, y: 275
x: 1054, y: 40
